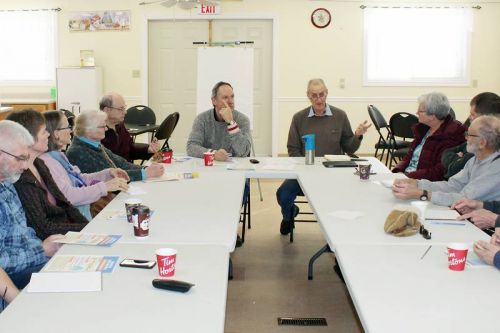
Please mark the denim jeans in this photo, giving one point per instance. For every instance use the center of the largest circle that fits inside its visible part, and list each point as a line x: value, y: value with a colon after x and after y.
x: 286, y: 195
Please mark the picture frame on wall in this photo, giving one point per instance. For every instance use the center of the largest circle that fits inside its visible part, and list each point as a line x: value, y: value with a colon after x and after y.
x: 99, y: 20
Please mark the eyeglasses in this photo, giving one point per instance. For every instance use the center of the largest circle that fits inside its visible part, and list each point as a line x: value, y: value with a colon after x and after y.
x: 122, y: 109
x: 63, y: 128
x: 317, y: 96
x: 424, y: 232
x: 467, y: 134
x: 20, y: 158
x: 103, y: 126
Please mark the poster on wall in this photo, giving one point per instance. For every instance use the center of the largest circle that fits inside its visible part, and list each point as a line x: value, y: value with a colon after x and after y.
x: 229, y: 64
x: 99, y: 20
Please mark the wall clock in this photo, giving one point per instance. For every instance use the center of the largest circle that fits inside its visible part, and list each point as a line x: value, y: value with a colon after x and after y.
x: 321, y: 18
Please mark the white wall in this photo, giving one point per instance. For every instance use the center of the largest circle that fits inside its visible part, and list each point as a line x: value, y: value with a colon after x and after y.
x: 303, y: 52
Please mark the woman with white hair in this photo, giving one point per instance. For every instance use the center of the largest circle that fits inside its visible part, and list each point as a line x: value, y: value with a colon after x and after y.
x: 436, y: 131
x: 81, y: 189
x: 87, y: 152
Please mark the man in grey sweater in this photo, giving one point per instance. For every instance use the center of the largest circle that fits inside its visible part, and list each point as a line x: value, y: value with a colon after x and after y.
x: 333, y: 136
x: 222, y: 129
x: 479, y: 179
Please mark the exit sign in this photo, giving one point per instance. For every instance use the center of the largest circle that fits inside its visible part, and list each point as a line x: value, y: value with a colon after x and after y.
x: 209, y: 9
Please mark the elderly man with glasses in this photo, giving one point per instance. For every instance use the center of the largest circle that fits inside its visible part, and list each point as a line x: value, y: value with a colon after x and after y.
x: 117, y: 138
x: 478, y: 180
x: 333, y: 136
x: 21, y: 252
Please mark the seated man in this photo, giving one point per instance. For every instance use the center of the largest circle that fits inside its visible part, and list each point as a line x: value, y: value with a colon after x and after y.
x: 21, y: 252
x: 480, y: 178
x: 87, y: 152
x: 9, y: 290
x: 435, y: 132
x: 222, y: 129
x: 117, y: 138
x: 454, y: 159
x: 333, y: 136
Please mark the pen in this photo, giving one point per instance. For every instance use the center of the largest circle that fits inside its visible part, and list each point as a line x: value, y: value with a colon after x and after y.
x: 422, y: 257
x: 447, y: 223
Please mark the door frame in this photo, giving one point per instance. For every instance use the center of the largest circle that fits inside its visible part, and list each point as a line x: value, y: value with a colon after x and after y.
x: 274, y: 46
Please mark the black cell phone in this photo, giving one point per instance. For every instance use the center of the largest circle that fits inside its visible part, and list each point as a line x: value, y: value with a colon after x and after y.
x: 254, y: 161
x: 137, y: 263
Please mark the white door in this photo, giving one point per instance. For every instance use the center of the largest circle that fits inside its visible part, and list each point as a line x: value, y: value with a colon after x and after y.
x: 172, y: 72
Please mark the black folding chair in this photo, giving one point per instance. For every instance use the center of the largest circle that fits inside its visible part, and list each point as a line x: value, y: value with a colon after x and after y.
x: 385, y: 140
x: 166, y: 128
x: 401, y: 125
x: 140, y: 115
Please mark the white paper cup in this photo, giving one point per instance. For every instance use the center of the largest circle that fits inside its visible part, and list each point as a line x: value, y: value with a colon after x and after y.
x: 421, y: 206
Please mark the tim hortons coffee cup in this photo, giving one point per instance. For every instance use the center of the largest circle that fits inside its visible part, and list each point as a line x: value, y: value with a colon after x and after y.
x: 208, y: 157
x: 166, y: 259
x: 457, y: 256
x: 140, y: 218
x: 167, y: 156
x: 364, y: 171
x: 129, y: 204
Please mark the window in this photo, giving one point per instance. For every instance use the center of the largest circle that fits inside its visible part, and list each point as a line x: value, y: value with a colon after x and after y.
x: 28, y: 40
x: 417, y: 46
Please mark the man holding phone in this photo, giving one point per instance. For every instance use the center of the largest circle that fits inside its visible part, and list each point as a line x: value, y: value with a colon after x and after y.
x: 221, y: 130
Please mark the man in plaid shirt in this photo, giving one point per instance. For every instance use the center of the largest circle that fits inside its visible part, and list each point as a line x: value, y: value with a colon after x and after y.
x: 21, y: 252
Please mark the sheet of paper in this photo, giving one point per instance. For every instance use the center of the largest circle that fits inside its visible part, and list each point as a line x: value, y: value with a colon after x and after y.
x: 241, y: 166
x: 81, y: 238
x: 279, y: 164
x: 65, y: 282
x: 82, y: 263
x: 441, y: 214
x: 134, y: 190
x: 172, y: 176
x: 346, y: 214
x: 337, y: 158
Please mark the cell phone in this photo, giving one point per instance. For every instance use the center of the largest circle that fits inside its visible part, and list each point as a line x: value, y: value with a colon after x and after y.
x: 137, y: 263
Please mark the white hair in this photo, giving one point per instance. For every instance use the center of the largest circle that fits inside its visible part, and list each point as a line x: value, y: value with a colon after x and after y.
x: 88, y: 120
x: 12, y: 132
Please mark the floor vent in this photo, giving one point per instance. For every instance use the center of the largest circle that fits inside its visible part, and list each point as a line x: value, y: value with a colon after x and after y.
x: 302, y: 321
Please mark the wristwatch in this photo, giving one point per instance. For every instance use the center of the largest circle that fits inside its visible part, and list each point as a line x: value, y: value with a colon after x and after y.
x: 424, y: 196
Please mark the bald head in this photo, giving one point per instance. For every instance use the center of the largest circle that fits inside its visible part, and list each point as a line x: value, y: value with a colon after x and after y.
x: 115, y: 107
x: 488, y: 128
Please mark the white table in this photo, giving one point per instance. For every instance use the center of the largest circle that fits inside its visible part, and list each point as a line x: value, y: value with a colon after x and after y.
x: 128, y: 301
x: 394, y: 291
x: 343, y: 191
x: 203, y: 210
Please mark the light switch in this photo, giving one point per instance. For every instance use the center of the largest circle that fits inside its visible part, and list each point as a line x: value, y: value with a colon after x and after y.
x: 342, y: 83
x: 136, y: 73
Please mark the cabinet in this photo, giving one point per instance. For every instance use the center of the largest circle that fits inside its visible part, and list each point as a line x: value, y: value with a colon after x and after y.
x: 79, y: 88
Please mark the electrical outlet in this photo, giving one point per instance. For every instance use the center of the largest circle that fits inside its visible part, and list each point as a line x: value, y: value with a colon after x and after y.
x: 342, y: 83
x: 136, y: 73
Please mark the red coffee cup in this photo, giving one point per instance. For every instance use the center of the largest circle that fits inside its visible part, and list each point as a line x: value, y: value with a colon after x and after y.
x: 167, y: 156
x: 166, y: 258
x: 457, y: 256
x: 209, y: 158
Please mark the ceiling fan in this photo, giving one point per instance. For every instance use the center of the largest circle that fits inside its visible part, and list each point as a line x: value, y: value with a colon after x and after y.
x: 184, y: 4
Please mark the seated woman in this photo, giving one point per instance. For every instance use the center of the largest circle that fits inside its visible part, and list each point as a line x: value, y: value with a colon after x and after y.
x: 435, y: 132
x: 47, y: 210
x: 79, y: 188
x: 87, y: 152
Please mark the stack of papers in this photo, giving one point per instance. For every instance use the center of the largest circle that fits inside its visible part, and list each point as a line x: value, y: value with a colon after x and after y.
x: 81, y: 238
x: 81, y: 263
x: 441, y: 214
x: 337, y: 158
x: 65, y: 282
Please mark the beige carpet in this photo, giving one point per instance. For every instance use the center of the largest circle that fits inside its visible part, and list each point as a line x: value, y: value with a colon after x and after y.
x: 270, y: 276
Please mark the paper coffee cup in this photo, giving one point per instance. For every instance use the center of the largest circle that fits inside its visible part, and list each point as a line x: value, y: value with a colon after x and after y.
x: 166, y: 259
x: 129, y: 204
x: 208, y: 158
x: 167, y: 156
x: 457, y: 256
x: 364, y: 171
x: 421, y: 206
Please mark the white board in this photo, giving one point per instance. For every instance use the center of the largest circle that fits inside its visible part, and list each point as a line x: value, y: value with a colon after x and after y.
x: 230, y: 64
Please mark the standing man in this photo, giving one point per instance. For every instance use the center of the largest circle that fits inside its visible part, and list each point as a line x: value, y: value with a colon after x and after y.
x: 333, y: 136
x: 117, y: 138
x: 21, y: 252
x: 222, y: 129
